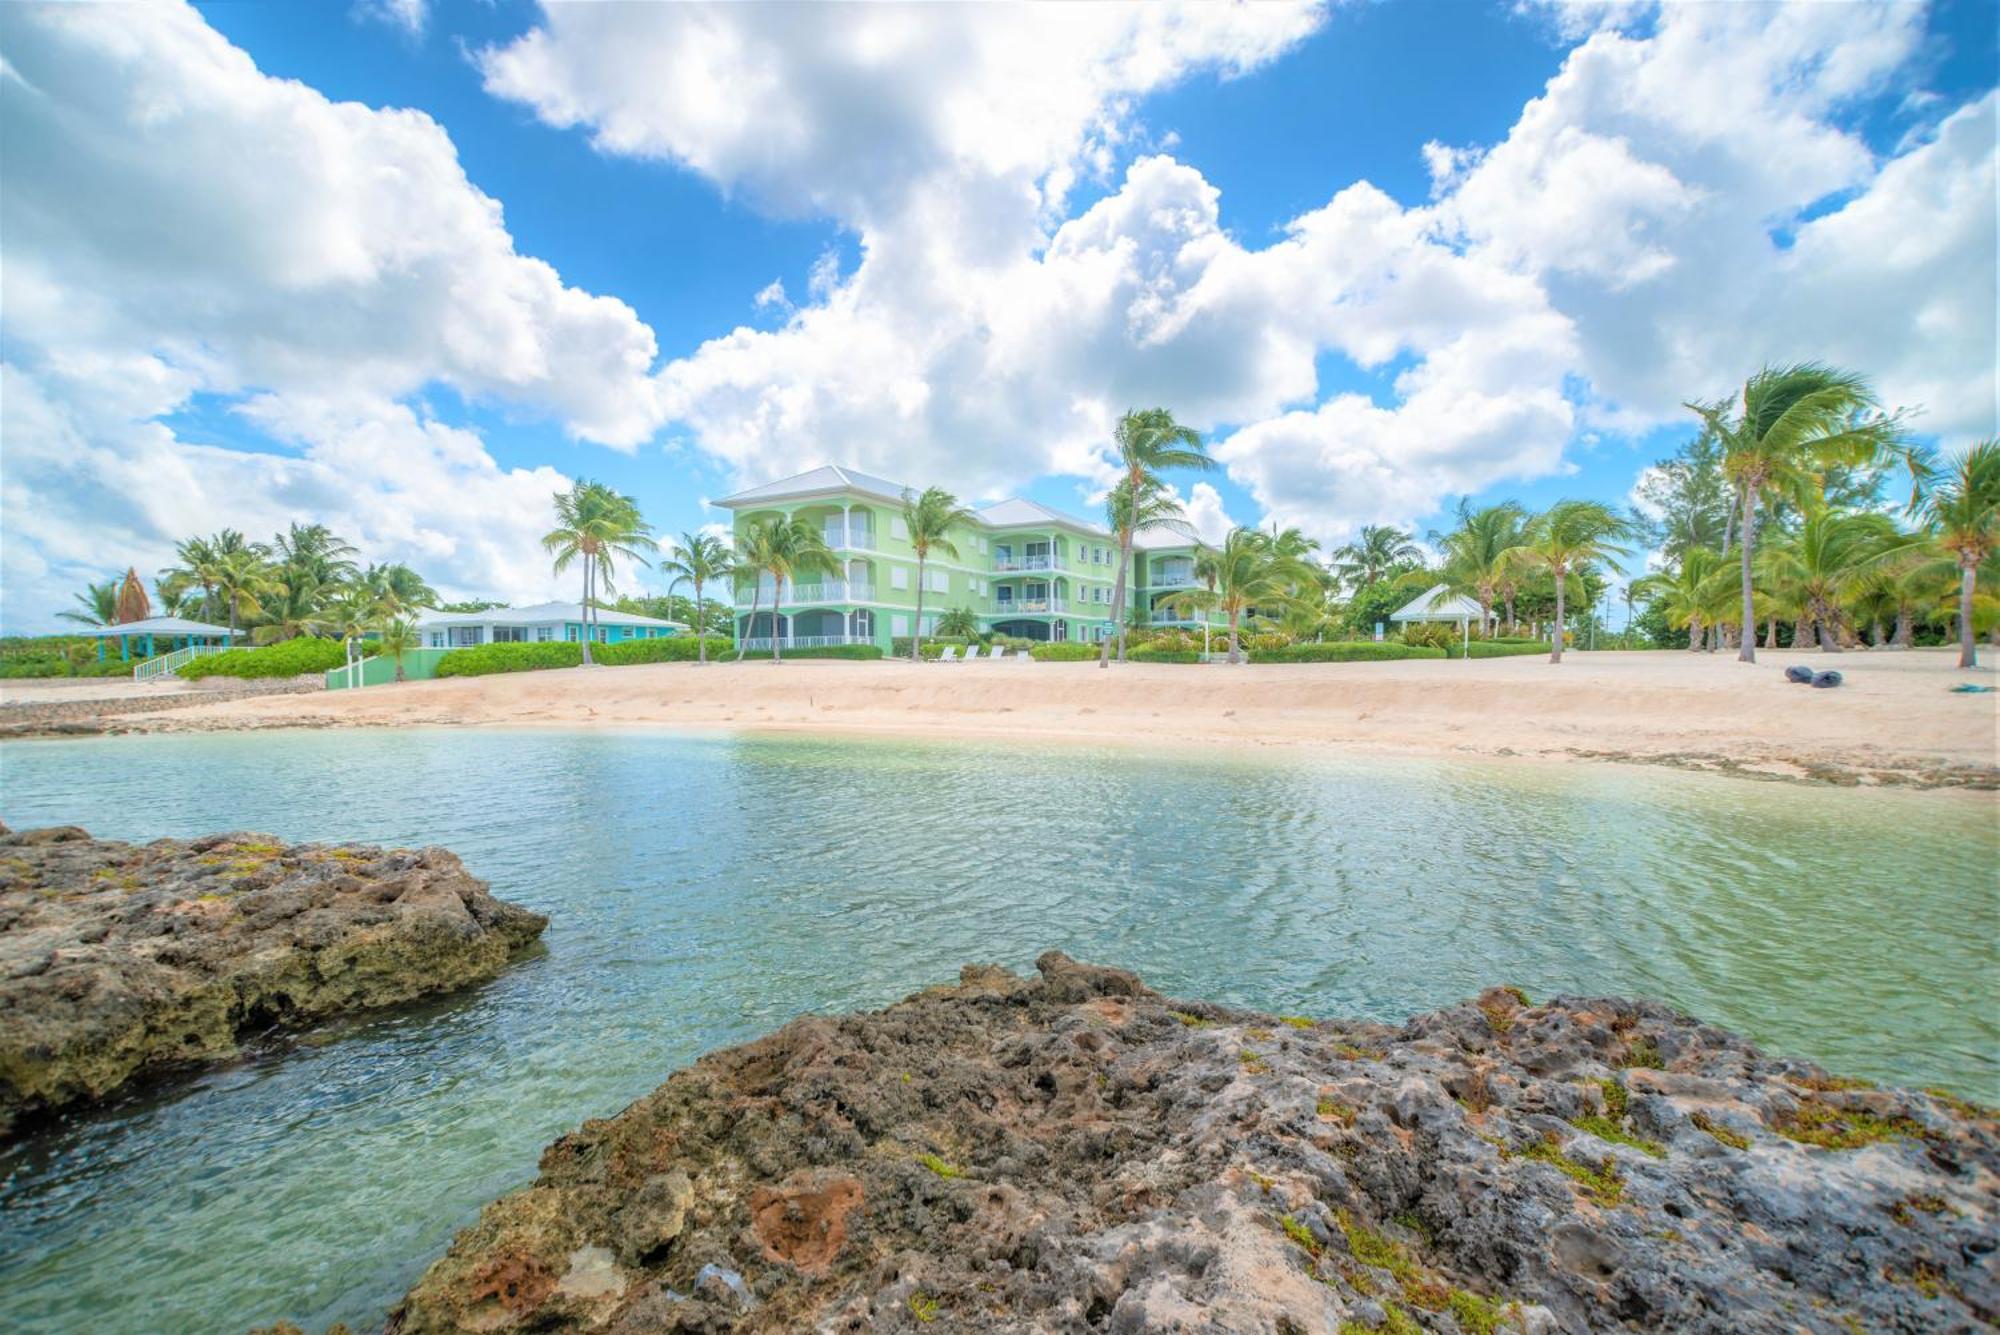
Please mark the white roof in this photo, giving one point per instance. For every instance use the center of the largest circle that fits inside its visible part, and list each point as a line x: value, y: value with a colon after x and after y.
x: 539, y: 614
x: 158, y: 626
x: 1438, y: 604
x: 1163, y: 539
x: 826, y: 478
x: 1018, y: 512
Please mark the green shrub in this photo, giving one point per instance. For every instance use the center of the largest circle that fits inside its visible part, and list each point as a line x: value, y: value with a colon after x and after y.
x: 1063, y: 651
x: 899, y: 646
x: 1157, y: 653
x: 483, y: 660
x: 856, y: 651
x: 669, y: 649
x: 1497, y: 648
x: 289, y: 658
x: 1347, y: 651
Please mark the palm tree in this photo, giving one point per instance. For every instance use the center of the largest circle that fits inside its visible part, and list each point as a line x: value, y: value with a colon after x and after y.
x: 596, y: 525
x: 1155, y: 508
x: 133, y: 605
x: 1148, y: 441
x: 930, y: 519
x: 1562, y: 540
x: 200, y: 559
x: 698, y: 558
x: 1475, y: 551
x: 1963, y: 508
x: 313, y: 550
x: 241, y: 580
x: 959, y: 623
x: 97, y: 605
x: 1689, y: 594
x: 396, y: 637
x: 351, y: 617
x: 291, y: 609
x: 395, y: 589
x: 782, y: 548
x: 1794, y: 423
x: 1817, y: 570
x: 1248, y: 570
x: 1379, y: 551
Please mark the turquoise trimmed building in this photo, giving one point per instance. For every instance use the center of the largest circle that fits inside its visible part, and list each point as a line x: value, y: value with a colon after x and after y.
x: 1022, y: 568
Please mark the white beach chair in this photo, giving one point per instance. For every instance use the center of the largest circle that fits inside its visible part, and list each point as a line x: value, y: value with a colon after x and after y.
x: 999, y: 651
x: 949, y: 655
x: 971, y: 652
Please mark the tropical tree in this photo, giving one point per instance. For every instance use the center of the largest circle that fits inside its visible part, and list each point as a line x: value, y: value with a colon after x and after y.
x: 1475, y: 552
x: 930, y: 519
x: 699, y: 558
x: 242, y: 579
x: 396, y: 637
x: 200, y: 560
x: 1147, y: 441
x: 313, y: 553
x: 1153, y: 508
x: 1816, y: 571
x: 594, y: 527
x: 1793, y: 423
x: 783, y: 549
x: 395, y: 589
x: 350, y: 618
x: 1379, y: 551
x: 1561, y: 541
x: 1692, y: 594
x: 1962, y: 505
x: 959, y: 623
x: 97, y: 605
x: 133, y: 605
x: 290, y: 609
x: 1248, y: 570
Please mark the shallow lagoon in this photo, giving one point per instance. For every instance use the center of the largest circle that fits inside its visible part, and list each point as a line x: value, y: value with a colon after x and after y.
x: 704, y: 889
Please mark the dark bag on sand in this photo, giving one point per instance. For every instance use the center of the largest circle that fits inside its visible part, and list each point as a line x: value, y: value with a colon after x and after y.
x: 1825, y: 679
x: 1802, y: 675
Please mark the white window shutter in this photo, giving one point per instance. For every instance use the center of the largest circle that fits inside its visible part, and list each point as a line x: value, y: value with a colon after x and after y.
x: 899, y: 578
x: 899, y: 624
x: 897, y: 528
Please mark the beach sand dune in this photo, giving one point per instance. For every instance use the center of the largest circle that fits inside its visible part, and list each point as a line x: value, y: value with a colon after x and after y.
x: 1896, y: 720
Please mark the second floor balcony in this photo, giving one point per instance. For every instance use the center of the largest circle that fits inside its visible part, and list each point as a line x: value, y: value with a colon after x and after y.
x: 827, y: 591
x: 1010, y: 563
x: 849, y: 537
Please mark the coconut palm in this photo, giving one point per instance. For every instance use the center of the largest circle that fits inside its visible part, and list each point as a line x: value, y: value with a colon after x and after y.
x: 959, y: 623
x: 1155, y: 508
x: 595, y: 526
x: 783, y: 549
x: 1248, y: 570
x: 349, y: 618
x: 242, y: 579
x: 930, y: 519
x: 1475, y: 551
x: 395, y: 589
x: 1794, y: 423
x: 396, y: 637
x: 1561, y: 541
x: 313, y: 552
x: 97, y: 605
x: 290, y: 610
x: 1962, y: 505
x: 1692, y: 594
x: 1376, y: 554
x: 699, y: 558
x: 1148, y: 441
x: 1817, y: 570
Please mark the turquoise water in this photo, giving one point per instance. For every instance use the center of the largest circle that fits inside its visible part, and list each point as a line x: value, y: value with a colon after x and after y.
x: 705, y: 889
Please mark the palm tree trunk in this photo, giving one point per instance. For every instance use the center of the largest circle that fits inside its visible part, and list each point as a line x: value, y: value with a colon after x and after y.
x: 750, y: 627
x: 1556, y: 632
x: 1751, y: 486
x: 1234, y: 654
x: 1694, y: 635
x: 777, y: 601
x: 1512, y: 625
x: 1117, y: 604
x: 1771, y: 632
x: 1905, y: 628
x: 700, y: 642
x: 1968, y: 642
x: 1802, y: 632
x: 1829, y: 634
x: 917, y: 635
x: 584, y: 611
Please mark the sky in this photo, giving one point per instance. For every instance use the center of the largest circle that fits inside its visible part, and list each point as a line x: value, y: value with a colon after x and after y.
x: 406, y: 267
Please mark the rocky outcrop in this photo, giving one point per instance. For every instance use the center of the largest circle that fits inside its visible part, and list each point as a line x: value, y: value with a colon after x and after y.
x: 118, y: 961
x: 1077, y: 1153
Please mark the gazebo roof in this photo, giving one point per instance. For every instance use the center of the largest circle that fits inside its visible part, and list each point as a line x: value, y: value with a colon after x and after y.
x: 159, y: 626
x: 1438, y: 603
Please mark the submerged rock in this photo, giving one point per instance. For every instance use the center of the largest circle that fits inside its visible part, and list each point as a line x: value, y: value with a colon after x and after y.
x: 118, y: 961
x: 1075, y: 1152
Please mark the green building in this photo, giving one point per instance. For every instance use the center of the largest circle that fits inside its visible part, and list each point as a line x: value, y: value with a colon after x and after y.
x: 1022, y: 568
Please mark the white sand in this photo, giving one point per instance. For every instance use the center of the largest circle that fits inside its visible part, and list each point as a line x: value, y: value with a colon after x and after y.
x: 1895, y: 716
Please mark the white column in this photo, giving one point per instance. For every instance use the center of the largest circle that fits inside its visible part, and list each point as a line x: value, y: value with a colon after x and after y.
x: 846, y: 518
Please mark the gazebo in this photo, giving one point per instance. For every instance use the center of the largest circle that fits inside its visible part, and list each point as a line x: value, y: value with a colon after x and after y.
x: 177, y: 632
x: 1439, y: 603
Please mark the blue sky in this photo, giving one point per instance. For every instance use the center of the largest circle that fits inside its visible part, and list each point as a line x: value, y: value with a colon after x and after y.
x: 990, y: 237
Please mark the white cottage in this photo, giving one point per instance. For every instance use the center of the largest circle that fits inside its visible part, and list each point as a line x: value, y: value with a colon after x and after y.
x: 543, y: 623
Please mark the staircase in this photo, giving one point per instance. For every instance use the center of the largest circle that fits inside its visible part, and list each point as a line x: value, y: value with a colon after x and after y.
x: 166, y: 664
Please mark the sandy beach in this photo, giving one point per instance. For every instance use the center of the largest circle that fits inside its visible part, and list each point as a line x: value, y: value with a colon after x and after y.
x: 1895, y: 721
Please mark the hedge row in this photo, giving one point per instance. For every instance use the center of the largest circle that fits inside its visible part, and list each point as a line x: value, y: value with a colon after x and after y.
x: 1150, y: 653
x: 1498, y: 648
x: 289, y: 658
x: 1346, y: 651
x: 485, y: 659
x: 1062, y: 651
x: 855, y: 651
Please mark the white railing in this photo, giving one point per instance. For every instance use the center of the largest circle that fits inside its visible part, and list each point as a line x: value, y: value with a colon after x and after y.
x: 1030, y: 563
x: 166, y: 664
x: 352, y: 674
x: 1030, y: 606
x: 1174, y: 577
x: 832, y: 591
x: 803, y: 641
x: 852, y: 539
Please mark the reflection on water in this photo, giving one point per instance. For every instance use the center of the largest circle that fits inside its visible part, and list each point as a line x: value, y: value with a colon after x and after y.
x: 706, y: 889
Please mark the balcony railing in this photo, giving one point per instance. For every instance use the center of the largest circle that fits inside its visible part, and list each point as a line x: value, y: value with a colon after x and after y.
x: 850, y: 538
x: 832, y: 591
x: 1029, y: 606
x: 1174, y: 577
x: 803, y: 641
x: 1006, y: 564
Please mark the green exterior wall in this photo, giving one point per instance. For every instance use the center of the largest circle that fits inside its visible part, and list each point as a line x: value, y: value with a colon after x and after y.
x: 418, y: 665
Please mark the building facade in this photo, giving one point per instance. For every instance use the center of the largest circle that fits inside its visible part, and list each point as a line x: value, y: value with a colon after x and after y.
x: 541, y: 623
x: 1020, y: 567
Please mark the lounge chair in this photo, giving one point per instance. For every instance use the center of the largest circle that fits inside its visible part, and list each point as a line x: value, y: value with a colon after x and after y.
x: 999, y: 651
x: 971, y: 652
x: 949, y: 654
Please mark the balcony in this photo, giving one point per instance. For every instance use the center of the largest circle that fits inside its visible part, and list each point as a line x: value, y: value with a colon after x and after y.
x: 1174, y: 577
x: 1028, y: 606
x: 832, y: 591
x: 848, y: 538
x: 1013, y: 564
x: 764, y: 642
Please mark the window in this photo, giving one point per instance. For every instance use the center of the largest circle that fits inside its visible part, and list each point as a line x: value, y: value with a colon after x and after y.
x: 543, y: 634
x: 937, y: 581
x: 465, y: 635
x: 982, y: 544
x: 437, y: 639
x: 899, y: 625
x: 569, y: 633
x: 899, y: 578
x: 897, y: 528
x: 509, y: 634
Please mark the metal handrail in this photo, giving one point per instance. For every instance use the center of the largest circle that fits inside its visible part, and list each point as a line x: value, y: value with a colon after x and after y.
x: 166, y: 664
